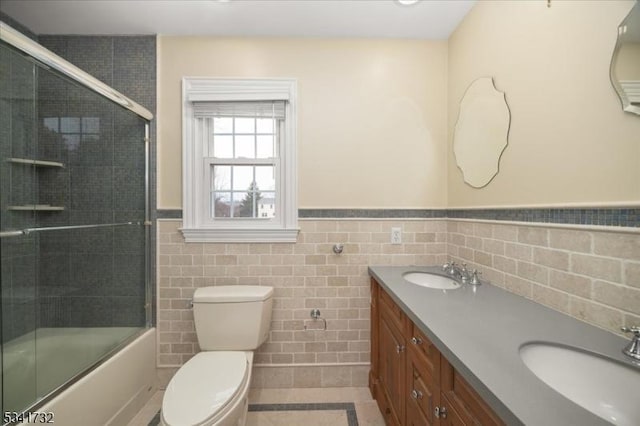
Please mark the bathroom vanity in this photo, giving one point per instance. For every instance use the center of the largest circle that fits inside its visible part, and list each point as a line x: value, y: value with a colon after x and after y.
x: 454, y: 357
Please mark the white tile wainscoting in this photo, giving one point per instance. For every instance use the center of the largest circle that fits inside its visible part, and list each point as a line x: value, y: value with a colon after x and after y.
x: 591, y: 273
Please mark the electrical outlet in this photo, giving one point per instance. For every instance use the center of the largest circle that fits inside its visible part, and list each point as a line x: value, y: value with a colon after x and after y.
x: 396, y: 235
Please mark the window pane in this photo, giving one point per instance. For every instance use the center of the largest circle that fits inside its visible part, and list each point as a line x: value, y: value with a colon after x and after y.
x: 70, y: 125
x: 244, y: 206
x: 245, y: 147
x: 242, y: 177
x: 245, y: 125
x: 267, y: 205
x: 223, y: 146
x: 265, y: 147
x: 265, y: 179
x: 221, y: 178
x: 51, y: 123
x: 222, y: 125
x: 265, y: 125
x: 91, y: 124
x: 221, y: 204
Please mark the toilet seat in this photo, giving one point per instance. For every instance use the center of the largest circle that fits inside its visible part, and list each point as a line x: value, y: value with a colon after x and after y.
x: 205, y: 387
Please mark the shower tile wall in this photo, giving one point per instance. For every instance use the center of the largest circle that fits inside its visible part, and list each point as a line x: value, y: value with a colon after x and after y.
x: 93, y: 277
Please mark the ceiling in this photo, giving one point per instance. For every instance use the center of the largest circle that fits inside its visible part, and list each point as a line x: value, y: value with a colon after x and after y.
x: 427, y: 19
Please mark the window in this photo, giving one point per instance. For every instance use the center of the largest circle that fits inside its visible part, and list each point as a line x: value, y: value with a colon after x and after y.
x: 239, y: 160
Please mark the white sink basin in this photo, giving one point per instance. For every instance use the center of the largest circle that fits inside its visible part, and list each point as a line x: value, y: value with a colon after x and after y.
x: 606, y: 388
x: 426, y: 279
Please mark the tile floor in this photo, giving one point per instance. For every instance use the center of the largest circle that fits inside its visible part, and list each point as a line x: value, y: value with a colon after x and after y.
x: 294, y: 407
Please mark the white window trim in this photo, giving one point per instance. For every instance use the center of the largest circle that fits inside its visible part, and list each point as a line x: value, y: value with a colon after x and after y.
x: 194, y: 227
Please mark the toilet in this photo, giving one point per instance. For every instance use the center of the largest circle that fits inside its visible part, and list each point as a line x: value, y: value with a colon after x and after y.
x: 212, y: 387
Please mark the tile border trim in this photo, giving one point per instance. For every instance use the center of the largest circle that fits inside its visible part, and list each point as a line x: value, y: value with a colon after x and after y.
x: 610, y: 217
x: 348, y: 407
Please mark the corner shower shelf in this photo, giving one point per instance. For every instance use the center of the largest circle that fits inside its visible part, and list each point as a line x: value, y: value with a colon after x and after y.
x: 38, y: 163
x: 36, y: 207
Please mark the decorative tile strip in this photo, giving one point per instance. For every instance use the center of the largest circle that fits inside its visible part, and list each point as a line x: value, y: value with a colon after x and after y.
x: 598, y: 217
x: 624, y: 217
x: 371, y: 213
x: 169, y: 214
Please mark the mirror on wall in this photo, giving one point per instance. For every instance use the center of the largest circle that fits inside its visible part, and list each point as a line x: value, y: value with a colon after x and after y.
x: 481, y: 133
x: 625, y: 63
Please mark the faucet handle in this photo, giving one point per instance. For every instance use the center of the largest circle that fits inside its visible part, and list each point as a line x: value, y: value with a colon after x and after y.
x: 464, y: 273
x: 447, y: 267
x: 633, y: 348
x: 474, y: 277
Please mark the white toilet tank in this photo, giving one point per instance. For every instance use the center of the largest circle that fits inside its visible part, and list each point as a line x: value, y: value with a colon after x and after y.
x: 232, y: 318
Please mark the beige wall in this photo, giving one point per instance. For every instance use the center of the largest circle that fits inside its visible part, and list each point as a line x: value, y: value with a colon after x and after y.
x: 372, y: 114
x: 569, y: 140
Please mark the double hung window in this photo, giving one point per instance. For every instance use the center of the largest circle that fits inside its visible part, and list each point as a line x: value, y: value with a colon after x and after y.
x: 239, y: 160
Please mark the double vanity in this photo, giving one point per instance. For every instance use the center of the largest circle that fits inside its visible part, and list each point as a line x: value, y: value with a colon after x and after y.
x: 451, y: 353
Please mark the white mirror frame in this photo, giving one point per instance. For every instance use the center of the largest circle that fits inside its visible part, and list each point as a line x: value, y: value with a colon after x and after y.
x: 628, y: 89
x: 481, y: 132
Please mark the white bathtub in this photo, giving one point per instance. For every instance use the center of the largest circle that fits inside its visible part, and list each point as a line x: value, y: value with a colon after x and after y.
x: 109, y: 395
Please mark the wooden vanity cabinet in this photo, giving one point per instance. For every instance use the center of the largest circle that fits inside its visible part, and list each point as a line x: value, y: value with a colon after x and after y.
x: 409, y: 377
x: 391, y: 360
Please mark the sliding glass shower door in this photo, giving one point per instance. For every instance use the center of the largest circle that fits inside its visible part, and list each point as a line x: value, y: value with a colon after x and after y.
x: 72, y: 220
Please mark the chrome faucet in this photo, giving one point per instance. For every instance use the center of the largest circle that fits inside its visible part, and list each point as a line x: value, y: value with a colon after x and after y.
x: 633, y: 348
x: 451, y: 268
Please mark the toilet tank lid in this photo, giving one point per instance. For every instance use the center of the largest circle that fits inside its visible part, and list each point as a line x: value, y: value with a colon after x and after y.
x: 232, y: 294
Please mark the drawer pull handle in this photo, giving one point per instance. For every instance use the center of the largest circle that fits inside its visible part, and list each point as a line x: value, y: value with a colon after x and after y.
x: 440, y: 412
x: 400, y: 348
x: 416, y: 340
x: 416, y: 394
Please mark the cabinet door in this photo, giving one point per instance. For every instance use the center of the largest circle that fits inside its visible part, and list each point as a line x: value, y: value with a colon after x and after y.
x: 423, y: 392
x: 415, y: 417
x: 392, y: 364
x: 374, y: 371
x: 460, y: 400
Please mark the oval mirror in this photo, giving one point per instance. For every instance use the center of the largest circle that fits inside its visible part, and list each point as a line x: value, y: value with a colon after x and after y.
x: 625, y: 63
x: 480, y: 135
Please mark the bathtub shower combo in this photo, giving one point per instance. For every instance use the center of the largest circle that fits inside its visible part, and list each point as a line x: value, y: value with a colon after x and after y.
x: 74, y: 219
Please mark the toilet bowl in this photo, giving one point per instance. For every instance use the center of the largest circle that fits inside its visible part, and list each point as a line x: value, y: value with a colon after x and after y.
x: 212, y: 387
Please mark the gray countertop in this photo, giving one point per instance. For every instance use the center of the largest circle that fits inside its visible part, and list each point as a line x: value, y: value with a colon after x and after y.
x: 480, y: 330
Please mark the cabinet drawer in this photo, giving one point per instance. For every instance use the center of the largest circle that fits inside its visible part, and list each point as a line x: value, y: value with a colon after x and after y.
x: 389, y: 307
x: 427, y: 353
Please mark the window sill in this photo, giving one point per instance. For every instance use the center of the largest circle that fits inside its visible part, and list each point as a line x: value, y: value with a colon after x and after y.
x: 256, y: 235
